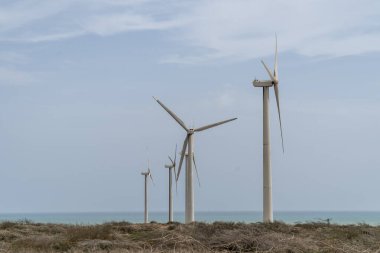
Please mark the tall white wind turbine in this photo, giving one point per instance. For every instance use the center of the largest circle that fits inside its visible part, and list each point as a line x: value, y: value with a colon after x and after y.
x: 171, y: 168
x: 267, y: 174
x: 146, y: 174
x: 188, y: 143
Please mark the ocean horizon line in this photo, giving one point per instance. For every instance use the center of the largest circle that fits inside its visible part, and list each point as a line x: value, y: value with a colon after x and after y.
x: 291, y: 217
x: 199, y: 211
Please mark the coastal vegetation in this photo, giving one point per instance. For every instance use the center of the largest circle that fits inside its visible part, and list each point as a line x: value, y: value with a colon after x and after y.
x: 116, y: 237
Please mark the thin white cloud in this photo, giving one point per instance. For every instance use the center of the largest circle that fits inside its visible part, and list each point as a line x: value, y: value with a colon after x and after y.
x: 209, y: 31
x: 40, y: 21
x: 245, y: 29
x: 44, y: 37
x: 124, y: 22
x: 22, y: 13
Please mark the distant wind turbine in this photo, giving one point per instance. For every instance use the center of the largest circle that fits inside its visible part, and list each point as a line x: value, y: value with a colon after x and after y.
x: 267, y: 174
x: 171, y: 168
x: 188, y: 143
x: 146, y: 174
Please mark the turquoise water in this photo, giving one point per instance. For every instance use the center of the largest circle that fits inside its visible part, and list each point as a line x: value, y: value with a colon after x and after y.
x: 372, y: 218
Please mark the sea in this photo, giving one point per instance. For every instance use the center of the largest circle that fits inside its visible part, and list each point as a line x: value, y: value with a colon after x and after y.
x: 291, y: 217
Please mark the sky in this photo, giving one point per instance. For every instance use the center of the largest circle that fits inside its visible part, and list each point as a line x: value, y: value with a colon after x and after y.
x: 78, y: 122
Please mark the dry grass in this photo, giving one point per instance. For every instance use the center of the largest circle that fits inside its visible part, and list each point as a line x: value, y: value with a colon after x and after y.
x: 120, y: 237
x: 79, y: 233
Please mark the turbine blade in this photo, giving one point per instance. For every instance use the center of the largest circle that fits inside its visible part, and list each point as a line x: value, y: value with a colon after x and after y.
x: 175, y: 117
x: 275, y: 73
x: 171, y: 160
x: 182, y: 156
x: 196, y: 170
x: 151, y: 178
x: 176, y: 182
x: 213, y: 125
x: 175, y: 155
x: 268, y: 70
x: 277, y: 93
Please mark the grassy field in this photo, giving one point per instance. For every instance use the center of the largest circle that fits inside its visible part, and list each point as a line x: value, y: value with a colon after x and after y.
x: 25, y: 236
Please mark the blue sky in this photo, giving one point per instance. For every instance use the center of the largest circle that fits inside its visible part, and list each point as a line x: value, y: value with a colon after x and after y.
x: 78, y: 122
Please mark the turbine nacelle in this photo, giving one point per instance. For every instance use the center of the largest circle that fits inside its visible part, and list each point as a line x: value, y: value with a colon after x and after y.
x: 263, y: 83
x: 146, y: 174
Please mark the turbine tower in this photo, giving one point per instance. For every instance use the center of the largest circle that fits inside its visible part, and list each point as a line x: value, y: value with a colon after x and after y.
x: 171, y: 168
x: 267, y: 174
x: 146, y: 174
x: 188, y: 143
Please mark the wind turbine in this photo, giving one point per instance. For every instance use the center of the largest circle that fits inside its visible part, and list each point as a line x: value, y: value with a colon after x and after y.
x: 146, y: 174
x: 171, y: 168
x: 188, y: 143
x: 267, y: 174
